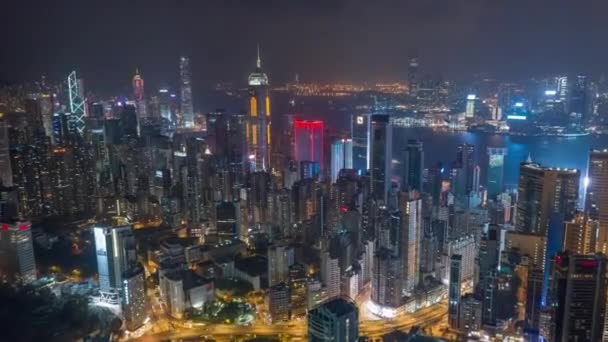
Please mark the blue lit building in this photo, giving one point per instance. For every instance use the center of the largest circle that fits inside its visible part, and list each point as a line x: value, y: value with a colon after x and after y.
x: 360, y: 130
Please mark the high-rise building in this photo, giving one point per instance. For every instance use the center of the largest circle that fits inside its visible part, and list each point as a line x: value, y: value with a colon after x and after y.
x: 387, y: 280
x: 259, y: 122
x: 412, y: 77
x: 454, y: 291
x: 309, y: 141
x: 187, y: 110
x: 579, y: 102
x: 139, y: 95
x: 413, y: 165
x: 134, y: 307
x: 330, y: 274
x: 597, y: 196
x: 115, y: 249
x: 465, y: 160
x: 380, y: 147
x: 280, y: 257
x: 543, y: 194
x: 496, y: 166
x: 336, y: 321
x: 6, y: 172
x: 78, y: 106
x: 17, y: 262
x: 410, y: 237
x: 279, y: 302
x: 341, y: 157
x: 470, y: 107
x: 580, y: 234
x: 360, y: 134
x: 577, y: 297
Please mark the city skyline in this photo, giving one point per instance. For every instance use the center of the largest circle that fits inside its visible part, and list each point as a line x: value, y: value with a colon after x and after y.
x: 374, y: 42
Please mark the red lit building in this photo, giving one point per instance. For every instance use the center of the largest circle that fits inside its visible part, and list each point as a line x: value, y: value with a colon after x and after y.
x: 308, y: 137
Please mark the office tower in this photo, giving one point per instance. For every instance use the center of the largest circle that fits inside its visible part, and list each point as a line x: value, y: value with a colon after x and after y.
x: 580, y: 235
x: 465, y: 247
x: 187, y: 110
x: 309, y: 141
x: 78, y: 106
x: 330, y: 274
x: 577, y: 297
x: 476, y: 178
x: 166, y: 104
x: 380, y: 147
x: 579, y: 103
x: 531, y: 245
x: 17, y: 261
x: 489, y: 253
x: 454, y: 291
x: 139, y: 95
x: 336, y: 320
x: 413, y: 166
x: 412, y: 77
x: 597, y: 196
x: 341, y: 157
x: 279, y: 302
x: 360, y: 130
x: 134, y: 307
x: 496, y: 166
x: 465, y: 160
x: 543, y: 194
x: 387, y: 279
x: 259, y: 122
x: 470, y: 106
x: 410, y: 237
x: 226, y: 221
x: 280, y: 258
x: 563, y: 90
x: 115, y: 249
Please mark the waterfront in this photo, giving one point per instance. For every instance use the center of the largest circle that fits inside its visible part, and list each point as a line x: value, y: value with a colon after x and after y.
x: 565, y: 152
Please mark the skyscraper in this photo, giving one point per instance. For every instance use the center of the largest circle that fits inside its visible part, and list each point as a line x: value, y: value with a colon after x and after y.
x: 134, y: 307
x: 380, y: 147
x: 187, y: 110
x: 465, y: 159
x: 597, y: 196
x: 577, y: 297
x: 496, y: 165
x: 412, y: 77
x: 139, y: 95
x: 17, y: 262
x: 580, y: 234
x: 454, y: 291
x: 410, y: 240
x: 341, y: 157
x: 309, y: 141
x: 413, y: 164
x: 360, y: 129
x: 115, y: 249
x: 78, y: 107
x: 258, y: 123
x: 544, y: 193
x: 335, y: 321
x: 470, y: 108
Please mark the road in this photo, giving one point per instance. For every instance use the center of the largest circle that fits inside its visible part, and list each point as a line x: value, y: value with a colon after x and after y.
x: 297, y: 330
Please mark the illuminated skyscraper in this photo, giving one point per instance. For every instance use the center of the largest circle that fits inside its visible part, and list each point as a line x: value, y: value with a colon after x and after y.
x: 470, y: 109
x: 412, y: 77
x: 360, y: 129
x: 341, y: 157
x: 139, y: 95
x: 465, y: 158
x: 78, y: 107
x: 454, y: 291
x: 309, y: 136
x: 134, y: 307
x: 597, y: 195
x: 380, y: 147
x: 496, y: 165
x: 115, y: 249
x: 258, y: 123
x: 17, y: 262
x: 186, y: 93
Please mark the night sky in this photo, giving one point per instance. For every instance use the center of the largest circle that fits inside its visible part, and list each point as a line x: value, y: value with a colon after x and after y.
x: 322, y: 40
